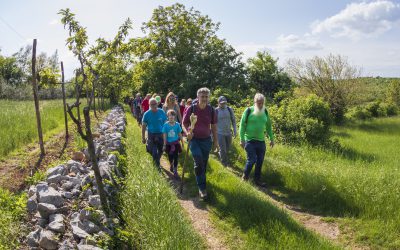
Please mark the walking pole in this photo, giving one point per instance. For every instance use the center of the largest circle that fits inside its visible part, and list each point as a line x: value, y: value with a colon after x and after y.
x: 193, y: 120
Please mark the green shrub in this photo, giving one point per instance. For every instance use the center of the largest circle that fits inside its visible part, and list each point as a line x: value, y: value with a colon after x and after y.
x: 391, y: 109
x: 302, y: 120
x: 373, y: 108
x: 359, y: 113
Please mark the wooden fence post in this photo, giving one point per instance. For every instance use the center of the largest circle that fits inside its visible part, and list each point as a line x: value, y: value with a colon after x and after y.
x: 64, y: 102
x: 36, y: 98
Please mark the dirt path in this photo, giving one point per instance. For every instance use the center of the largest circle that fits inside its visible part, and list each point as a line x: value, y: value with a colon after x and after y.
x: 329, y: 230
x: 197, y: 211
x: 318, y: 224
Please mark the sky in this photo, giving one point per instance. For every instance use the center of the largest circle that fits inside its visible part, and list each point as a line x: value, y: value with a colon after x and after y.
x: 366, y: 32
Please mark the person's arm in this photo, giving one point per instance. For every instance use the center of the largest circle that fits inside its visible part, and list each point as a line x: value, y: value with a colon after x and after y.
x: 179, y: 113
x: 214, y: 131
x: 269, y: 130
x: 242, y: 128
x: 233, y: 120
x: 186, y: 121
x: 144, y: 126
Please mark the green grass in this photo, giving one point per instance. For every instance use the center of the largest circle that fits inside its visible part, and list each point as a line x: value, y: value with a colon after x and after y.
x: 150, y: 209
x: 18, y: 122
x: 244, y: 216
x: 12, y: 210
x: 358, y: 184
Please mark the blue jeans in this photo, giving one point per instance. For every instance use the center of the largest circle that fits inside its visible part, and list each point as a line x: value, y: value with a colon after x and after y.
x: 224, y: 142
x: 255, y: 155
x: 155, y: 144
x: 200, y: 149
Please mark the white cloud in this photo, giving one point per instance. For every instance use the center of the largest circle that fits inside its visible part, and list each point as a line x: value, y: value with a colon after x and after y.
x: 54, y: 22
x: 357, y: 20
x: 292, y: 43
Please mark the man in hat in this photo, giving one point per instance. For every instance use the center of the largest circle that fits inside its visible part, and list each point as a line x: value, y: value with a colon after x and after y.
x: 226, y: 127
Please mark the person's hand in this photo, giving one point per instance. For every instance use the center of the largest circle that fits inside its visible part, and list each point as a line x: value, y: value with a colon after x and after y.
x: 189, y: 136
x: 271, y: 144
x: 242, y: 144
x: 143, y: 140
x: 216, y: 147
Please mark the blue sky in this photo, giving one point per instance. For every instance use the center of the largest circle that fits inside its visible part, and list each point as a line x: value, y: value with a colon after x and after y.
x: 367, y: 32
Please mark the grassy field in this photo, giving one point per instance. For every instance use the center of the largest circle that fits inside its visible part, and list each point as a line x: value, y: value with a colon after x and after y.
x: 18, y: 122
x: 153, y: 217
x: 357, y: 185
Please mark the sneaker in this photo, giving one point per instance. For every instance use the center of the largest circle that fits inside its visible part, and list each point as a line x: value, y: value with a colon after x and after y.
x: 260, y: 183
x: 245, y: 178
x: 203, y: 194
x: 176, y: 175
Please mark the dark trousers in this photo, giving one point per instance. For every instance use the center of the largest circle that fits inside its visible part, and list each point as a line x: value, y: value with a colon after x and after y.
x: 155, y: 144
x: 173, y: 156
x: 200, y: 149
x: 255, y: 155
x: 138, y: 115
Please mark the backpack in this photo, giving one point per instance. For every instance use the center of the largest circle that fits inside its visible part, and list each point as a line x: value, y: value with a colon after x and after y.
x: 208, y: 106
x: 248, y: 110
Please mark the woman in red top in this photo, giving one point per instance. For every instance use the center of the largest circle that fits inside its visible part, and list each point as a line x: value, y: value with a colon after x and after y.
x: 145, y: 103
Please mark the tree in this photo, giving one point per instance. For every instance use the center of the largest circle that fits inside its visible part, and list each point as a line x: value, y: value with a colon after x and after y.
x: 265, y: 75
x: 331, y: 77
x: 77, y: 42
x: 181, y: 52
x: 393, y: 93
x: 111, y: 63
x: 9, y: 71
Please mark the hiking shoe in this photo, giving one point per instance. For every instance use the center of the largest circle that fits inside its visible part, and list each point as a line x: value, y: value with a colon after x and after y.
x: 245, y: 178
x: 176, y: 174
x: 260, y: 183
x: 203, y: 194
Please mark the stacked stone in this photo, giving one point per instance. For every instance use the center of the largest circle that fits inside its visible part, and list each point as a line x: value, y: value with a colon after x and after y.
x: 66, y: 209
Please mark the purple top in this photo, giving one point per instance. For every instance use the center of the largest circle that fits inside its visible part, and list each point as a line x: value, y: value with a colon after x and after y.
x: 202, y: 128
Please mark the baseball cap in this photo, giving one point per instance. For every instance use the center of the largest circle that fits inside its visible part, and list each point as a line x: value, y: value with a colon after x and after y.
x: 221, y: 99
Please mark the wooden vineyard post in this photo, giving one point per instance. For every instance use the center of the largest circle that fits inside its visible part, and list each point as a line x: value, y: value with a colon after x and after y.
x: 36, y: 99
x: 64, y: 102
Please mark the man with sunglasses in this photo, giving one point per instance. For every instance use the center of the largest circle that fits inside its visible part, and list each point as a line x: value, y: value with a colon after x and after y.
x: 153, y: 120
x: 254, y: 124
x: 200, y: 137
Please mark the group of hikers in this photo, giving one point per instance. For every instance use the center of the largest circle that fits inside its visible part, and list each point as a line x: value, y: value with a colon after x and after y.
x: 206, y: 128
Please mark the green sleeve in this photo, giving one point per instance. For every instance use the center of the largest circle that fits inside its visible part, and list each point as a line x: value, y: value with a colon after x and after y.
x: 269, y: 128
x: 242, y: 127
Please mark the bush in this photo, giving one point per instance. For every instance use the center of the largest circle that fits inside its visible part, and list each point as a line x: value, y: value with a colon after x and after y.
x: 359, y: 113
x: 391, y: 109
x: 302, y: 120
x: 374, y: 109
